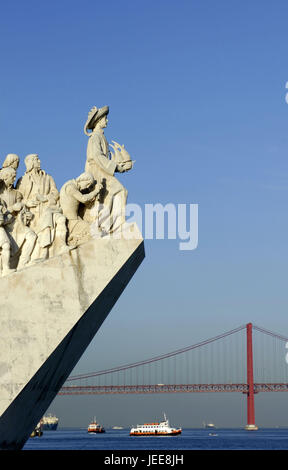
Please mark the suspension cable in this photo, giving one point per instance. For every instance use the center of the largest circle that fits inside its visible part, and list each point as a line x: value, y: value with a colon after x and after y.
x: 157, y: 358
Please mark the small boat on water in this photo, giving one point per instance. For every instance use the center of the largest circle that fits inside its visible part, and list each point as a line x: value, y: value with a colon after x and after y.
x: 50, y: 422
x: 208, y: 425
x: 95, y: 428
x: 155, y: 429
x: 251, y: 427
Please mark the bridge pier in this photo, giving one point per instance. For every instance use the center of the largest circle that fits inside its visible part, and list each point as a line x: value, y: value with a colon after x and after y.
x: 250, y: 426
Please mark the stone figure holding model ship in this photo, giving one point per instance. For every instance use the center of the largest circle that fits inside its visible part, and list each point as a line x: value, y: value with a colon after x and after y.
x: 109, y: 210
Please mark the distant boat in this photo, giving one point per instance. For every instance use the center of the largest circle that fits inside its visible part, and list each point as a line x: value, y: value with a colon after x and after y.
x: 117, y: 427
x: 50, y: 422
x: 251, y: 427
x: 95, y: 428
x: 155, y: 429
x: 209, y: 425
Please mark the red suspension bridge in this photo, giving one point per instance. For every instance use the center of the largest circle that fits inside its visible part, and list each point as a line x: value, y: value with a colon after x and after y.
x: 247, y: 359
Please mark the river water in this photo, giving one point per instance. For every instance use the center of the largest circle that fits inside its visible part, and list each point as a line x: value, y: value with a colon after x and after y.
x: 190, y: 439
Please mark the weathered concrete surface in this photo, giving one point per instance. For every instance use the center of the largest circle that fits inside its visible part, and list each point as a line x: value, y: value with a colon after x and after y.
x: 49, y: 314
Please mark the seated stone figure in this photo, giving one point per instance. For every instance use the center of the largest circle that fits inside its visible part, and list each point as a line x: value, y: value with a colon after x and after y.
x: 22, y: 238
x: 41, y: 196
x: 81, y: 190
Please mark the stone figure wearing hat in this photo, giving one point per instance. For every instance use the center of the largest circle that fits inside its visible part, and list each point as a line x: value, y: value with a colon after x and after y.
x: 102, y: 164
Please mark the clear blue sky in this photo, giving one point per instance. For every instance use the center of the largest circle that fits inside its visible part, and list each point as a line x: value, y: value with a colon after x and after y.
x: 196, y: 91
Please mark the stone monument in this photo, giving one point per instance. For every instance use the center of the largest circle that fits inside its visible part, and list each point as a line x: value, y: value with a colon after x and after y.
x: 65, y: 258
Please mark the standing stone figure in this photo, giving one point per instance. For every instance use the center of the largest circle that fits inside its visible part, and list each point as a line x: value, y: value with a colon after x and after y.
x: 11, y: 196
x: 41, y: 196
x: 110, y: 210
x: 5, y: 244
x: 73, y: 193
x: 22, y: 238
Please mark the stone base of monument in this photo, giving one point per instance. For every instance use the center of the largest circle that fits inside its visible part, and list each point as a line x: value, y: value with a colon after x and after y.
x: 50, y: 312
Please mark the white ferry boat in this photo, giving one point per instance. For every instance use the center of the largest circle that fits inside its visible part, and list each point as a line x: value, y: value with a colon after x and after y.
x: 50, y: 422
x: 155, y: 429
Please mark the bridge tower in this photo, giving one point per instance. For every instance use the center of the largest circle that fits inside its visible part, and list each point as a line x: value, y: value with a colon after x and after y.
x: 251, y: 426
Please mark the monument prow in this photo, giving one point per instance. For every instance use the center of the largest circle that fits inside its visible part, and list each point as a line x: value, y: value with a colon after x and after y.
x: 44, y: 336
x: 65, y: 258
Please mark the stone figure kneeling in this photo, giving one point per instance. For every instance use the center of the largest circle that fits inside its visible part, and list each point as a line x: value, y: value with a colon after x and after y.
x: 81, y: 190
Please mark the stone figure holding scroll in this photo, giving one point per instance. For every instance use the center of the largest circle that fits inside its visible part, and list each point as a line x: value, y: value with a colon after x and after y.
x: 110, y: 209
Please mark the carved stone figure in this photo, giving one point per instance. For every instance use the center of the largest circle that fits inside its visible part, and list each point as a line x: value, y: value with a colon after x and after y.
x: 22, y: 238
x: 12, y: 197
x: 41, y: 196
x: 11, y: 160
x: 81, y: 190
x: 25, y: 237
x: 110, y: 210
x: 5, y: 244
